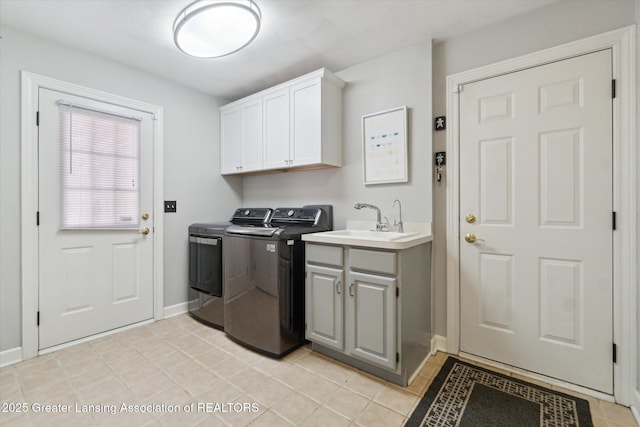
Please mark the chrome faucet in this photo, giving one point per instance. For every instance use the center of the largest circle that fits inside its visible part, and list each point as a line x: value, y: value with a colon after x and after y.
x: 399, y: 222
x: 380, y: 226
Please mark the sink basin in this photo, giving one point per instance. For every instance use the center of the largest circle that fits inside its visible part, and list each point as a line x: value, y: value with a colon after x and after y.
x: 370, y: 239
x: 385, y: 236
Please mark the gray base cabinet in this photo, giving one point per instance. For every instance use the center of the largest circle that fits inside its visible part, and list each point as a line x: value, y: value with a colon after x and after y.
x: 370, y: 308
x: 324, y: 288
x: 373, y: 308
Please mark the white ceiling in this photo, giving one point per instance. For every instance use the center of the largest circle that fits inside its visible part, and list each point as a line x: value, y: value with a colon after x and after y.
x: 296, y: 37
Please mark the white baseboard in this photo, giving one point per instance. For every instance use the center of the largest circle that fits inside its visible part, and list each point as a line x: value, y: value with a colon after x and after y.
x: 438, y: 343
x: 176, y: 309
x: 10, y: 357
x: 635, y: 405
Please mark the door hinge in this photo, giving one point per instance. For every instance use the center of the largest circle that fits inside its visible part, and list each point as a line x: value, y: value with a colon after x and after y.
x: 37, y: 218
x: 613, y: 220
x: 305, y: 326
x: 397, y: 357
x: 38, y: 319
x: 613, y: 88
x: 37, y: 118
x: 615, y: 353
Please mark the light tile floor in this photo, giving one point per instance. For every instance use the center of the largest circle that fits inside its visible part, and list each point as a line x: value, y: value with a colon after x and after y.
x: 191, y: 375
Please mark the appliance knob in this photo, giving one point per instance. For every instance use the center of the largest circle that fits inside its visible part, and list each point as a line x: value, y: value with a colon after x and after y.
x: 247, y: 212
x: 291, y: 212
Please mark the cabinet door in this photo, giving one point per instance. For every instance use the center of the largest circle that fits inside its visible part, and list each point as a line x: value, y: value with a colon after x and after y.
x: 324, y: 306
x: 251, y: 135
x: 276, y: 130
x: 306, y: 123
x: 373, y: 337
x: 230, y: 141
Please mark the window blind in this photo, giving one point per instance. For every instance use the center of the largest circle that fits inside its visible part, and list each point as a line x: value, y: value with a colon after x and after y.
x: 99, y: 169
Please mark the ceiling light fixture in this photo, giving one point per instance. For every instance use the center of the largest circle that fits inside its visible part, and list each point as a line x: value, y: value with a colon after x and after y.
x: 215, y: 28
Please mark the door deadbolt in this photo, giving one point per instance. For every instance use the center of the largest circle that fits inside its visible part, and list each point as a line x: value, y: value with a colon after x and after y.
x: 470, y: 218
x: 145, y: 216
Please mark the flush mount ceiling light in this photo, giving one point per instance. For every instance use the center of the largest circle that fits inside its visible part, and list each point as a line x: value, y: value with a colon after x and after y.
x: 215, y: 28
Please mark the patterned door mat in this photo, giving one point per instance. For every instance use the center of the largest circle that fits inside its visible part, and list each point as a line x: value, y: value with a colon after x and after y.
x: 469, y: 396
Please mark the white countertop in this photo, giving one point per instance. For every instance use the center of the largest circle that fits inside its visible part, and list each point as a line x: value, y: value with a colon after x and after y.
x: 362, y: 233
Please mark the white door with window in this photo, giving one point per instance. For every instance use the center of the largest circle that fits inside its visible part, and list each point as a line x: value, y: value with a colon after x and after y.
x: 95, y: 229
x: 536, y: 220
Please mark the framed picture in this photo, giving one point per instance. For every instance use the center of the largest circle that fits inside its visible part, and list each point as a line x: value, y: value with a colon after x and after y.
x: 384, y: 145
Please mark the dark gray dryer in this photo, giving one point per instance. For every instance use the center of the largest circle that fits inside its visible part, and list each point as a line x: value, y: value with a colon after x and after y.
x: 264, y: 279
x: 206, y: 302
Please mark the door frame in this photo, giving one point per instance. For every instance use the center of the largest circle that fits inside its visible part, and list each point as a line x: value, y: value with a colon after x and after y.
x: 623, y: 45
x: 30, y: 85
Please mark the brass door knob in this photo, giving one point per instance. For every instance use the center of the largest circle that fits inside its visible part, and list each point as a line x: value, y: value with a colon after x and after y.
x: 471, y: 218
x: 470, y: 237
x: 145, y: 216
x: 144, y: 231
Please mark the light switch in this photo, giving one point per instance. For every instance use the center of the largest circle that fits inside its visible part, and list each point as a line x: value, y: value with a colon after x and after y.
x: 170, y: 206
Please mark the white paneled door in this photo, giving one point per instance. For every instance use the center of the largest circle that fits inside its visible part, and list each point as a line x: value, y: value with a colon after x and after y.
x: 95, y: 217
x: 536, y: 220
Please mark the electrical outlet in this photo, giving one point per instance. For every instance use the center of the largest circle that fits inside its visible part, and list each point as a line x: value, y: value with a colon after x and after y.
x: 170, y: 206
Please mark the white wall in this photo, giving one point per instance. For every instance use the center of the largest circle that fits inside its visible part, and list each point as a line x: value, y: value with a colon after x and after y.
x: 399, y: 78
x: 191, y: 157
x: 558, y: 23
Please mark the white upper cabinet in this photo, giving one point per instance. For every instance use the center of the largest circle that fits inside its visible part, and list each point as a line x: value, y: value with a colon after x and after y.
x: 251, y: 135
x: 306, y: 123
x: 241, y: 137
x: 276, y: 129
x: 230, y: 140
x: 300, y: 126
